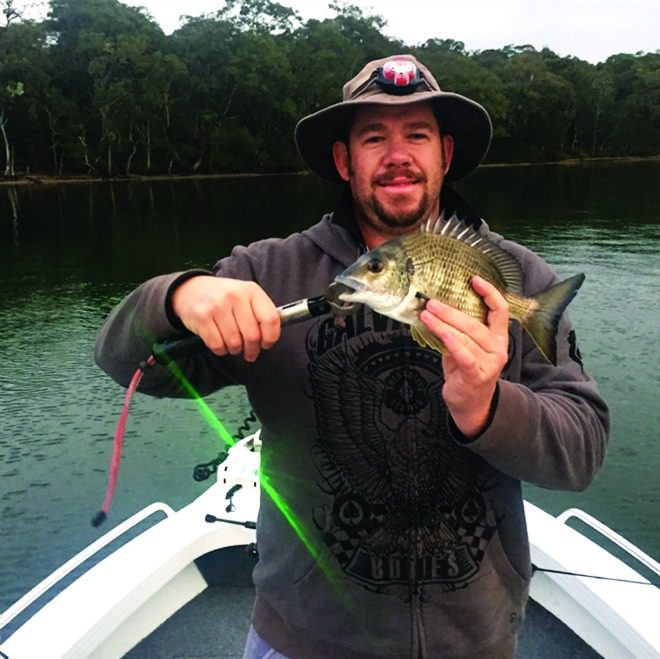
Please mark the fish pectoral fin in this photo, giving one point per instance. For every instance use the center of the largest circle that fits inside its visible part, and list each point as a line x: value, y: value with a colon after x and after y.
x: 427, y: 340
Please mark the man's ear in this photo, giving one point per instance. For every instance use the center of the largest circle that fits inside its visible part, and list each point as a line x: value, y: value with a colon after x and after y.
x: 447, y: 151
x: 340, y: 156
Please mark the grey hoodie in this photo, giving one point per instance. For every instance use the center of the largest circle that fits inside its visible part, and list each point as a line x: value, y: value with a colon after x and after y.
x: 382, y: 532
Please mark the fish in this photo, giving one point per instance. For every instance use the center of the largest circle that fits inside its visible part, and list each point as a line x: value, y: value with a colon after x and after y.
x: 439, y: 261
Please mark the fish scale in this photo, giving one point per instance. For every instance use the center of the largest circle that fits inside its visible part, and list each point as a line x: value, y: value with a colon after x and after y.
x: 447, y: 271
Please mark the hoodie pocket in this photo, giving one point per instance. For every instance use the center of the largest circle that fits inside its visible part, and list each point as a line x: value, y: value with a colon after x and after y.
x: 515, y: 582
x: 507, y: 592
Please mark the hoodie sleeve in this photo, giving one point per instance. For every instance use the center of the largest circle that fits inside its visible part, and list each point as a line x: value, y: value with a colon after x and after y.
x: 125, y: 341
x: 145, y: 316
x: 551, y: 427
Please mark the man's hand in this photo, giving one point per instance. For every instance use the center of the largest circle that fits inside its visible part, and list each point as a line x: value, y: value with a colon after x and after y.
x: 231, y: 316
x: 477, y: 353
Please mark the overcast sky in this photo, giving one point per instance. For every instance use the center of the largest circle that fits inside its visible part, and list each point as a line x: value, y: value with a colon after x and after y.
x: 589, y: 29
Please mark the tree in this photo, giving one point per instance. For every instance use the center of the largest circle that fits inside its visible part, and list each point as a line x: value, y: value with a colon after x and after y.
x: 23, y: 79
x: 326, y: 53
x: 99, y: 88
x: 205, y: 47
x: 10, y: 11
x: 132, y: 87
x: 364, y: 31
x: 455, y: 70
x: 12, y: 90
x: 593, y: 93
x: 259, y: 16
x: 633, y: 118
x: 541, y: 108
x: 111, y: 63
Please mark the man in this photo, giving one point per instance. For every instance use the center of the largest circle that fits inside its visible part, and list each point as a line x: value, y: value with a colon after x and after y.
x: 401, y: 469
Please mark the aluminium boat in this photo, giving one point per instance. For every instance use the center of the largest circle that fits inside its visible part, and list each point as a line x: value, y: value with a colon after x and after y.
x: 182, y: 586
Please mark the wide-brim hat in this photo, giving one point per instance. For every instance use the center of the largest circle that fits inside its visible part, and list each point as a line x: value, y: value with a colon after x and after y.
x: 396, y: 80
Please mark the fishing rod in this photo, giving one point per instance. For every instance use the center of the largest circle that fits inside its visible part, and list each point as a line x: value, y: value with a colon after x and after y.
x: 293, y: 312
x: 170, y: 351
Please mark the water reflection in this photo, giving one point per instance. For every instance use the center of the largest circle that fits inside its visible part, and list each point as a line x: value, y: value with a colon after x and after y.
x: 70, y: 252
x: 595, y: 194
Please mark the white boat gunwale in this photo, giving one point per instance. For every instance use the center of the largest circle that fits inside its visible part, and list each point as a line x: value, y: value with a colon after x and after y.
x: 130, y: 577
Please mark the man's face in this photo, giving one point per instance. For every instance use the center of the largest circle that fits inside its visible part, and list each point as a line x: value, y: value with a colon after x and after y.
x: 395, y: 162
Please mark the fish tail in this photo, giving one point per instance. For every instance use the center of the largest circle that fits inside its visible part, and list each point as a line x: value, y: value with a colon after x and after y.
x: 549, y: 305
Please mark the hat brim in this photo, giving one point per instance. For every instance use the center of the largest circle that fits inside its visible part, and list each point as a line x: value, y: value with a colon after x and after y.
x: 462, y: 118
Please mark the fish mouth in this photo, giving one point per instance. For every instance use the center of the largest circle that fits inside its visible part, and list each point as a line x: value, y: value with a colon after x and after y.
x: 349, y: 285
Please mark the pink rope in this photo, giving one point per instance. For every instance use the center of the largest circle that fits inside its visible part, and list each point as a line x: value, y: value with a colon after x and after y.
x: 118, y: 444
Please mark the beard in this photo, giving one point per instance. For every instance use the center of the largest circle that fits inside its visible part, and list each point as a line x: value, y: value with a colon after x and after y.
x: 393, y: 220
x: 400, y: 221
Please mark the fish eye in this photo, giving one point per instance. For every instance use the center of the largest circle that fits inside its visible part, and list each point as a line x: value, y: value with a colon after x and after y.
x: 375, y: 265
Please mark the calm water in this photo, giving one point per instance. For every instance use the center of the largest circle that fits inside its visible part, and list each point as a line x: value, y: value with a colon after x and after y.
x: 69, y: 253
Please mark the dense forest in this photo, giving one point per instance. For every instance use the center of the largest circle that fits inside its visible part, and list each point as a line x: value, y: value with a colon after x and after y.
x: 97, y: 88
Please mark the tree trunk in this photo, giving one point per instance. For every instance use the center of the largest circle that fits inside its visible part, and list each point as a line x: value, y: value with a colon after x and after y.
x: 12, y: 162
x: 53, y: 136
x: 131, y: 155
x: 90, y: 168
x: 167, y: 107
x: 594, y: 138
x: 13, y: 200
x: 3, y: 123
x: 148, y: 146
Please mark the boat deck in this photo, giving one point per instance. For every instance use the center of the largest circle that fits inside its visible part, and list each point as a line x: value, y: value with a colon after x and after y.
x: 214, y: 624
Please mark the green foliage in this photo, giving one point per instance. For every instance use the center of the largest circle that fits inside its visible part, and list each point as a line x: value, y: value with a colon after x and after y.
x: 541, y: 108
x: 259, y: 16
x: 98, y: 88
x: 635, y: 93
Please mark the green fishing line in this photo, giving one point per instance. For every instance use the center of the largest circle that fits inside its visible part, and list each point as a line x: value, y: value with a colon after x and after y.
x: 330, y: 571
x: 209, y: 415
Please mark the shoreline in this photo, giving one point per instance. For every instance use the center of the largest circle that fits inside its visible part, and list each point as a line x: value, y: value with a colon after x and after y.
x: 50, y: 179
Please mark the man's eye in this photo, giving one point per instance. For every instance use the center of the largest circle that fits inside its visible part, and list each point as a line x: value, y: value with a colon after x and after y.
x: 373, y: 139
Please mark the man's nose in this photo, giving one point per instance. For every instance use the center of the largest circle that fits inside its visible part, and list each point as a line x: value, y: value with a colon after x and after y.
x: 397, y: 152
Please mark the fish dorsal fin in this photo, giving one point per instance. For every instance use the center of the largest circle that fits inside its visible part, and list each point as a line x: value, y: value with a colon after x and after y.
x: 506, y: 264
